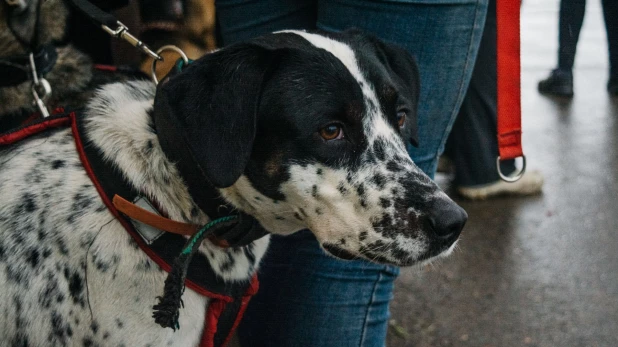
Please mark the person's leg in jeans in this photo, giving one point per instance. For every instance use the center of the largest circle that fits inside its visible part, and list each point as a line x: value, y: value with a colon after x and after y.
x: 443, y: 36
x: 307, y: 298
x: 239, y: 20
x: 473, y: 144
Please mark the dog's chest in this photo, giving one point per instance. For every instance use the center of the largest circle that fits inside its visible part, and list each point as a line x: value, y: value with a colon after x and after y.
x: 70, y: 273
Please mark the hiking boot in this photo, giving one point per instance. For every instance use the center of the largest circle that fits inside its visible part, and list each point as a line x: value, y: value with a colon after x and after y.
x: 559, y: 83
x: 529, y: 184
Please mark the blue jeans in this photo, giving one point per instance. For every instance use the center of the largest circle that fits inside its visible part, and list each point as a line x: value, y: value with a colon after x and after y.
x: 306, y: 297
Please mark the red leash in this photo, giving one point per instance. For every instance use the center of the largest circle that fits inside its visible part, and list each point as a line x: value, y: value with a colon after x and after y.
x: 509, y: 85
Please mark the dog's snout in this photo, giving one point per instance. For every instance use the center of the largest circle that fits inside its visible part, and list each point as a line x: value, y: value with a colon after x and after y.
x: 447, y: 219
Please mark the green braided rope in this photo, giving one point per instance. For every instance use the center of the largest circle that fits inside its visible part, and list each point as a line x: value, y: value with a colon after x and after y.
x: 166, y: 312
x: 180, y: 64
x: 205, y: 228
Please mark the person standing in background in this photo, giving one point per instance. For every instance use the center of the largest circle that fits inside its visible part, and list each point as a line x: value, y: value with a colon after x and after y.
x: 560, y: 81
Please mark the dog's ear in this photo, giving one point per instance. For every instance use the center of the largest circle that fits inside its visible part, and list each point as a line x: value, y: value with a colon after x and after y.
x: 404, y: 71
x: 212, y: 107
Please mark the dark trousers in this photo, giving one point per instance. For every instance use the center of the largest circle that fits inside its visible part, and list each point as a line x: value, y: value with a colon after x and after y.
x: 571, y: 19
x: 473, y: 143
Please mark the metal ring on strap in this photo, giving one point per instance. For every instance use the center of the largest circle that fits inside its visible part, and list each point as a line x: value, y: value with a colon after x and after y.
x: 153, y: 69
x: 513, y: 178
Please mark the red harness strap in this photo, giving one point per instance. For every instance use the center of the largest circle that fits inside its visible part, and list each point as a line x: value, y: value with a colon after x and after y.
x: 216, y: 308
x: 509, y: 81
x: 26, y: 131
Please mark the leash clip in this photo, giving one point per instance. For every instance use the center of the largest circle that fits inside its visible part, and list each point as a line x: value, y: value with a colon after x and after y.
x: 39, y: 101
x: 122, y: 32
x: 39, y: 85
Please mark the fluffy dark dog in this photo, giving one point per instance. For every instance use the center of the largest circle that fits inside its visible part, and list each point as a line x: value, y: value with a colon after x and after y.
x: 298, y: 130
x: 34, y: 23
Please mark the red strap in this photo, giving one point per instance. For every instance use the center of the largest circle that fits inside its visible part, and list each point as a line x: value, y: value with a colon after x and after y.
x: 215, y: 307
x: 103, y: 67
x: 251, y: 291
x: 23, y: 133
x: 509, y: 79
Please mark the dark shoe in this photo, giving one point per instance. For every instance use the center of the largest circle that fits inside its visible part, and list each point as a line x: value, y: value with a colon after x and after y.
x: 559, y: 83
x: 612, y: 86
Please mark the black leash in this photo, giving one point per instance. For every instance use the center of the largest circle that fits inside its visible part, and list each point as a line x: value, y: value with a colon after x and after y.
x: 112, y: 26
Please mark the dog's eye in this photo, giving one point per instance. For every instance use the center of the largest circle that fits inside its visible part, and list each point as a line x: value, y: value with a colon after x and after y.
x: 331, y: 132
x: 401, y: 118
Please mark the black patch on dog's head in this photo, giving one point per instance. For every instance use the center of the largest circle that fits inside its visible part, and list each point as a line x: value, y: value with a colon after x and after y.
x: 394, y: 74
x: 254, y: 107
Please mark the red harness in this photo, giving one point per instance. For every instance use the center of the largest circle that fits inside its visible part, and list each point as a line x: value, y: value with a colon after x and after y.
x: 227, y: 301
x: 509, y: 84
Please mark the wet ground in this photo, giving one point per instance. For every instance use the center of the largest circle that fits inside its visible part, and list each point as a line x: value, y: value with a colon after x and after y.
x: 536, y: 271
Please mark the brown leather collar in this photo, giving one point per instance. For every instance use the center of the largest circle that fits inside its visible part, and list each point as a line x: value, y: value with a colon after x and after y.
x: 165, y: 224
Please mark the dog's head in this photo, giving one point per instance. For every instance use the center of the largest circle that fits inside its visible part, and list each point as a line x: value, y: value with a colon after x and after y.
x: 29, y: 23
x: 308, y: 130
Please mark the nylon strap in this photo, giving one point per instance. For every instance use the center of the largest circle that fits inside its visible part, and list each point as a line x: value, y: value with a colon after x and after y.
x: 509, y: 79
x: 95, y: 14
x: 152, y: 219
x: 158, y: 222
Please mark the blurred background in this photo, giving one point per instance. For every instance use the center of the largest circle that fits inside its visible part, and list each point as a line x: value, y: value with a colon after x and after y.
x: 542, y: 270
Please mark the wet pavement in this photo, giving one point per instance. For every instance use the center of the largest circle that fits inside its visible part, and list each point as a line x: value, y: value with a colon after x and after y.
x: 536, y: 271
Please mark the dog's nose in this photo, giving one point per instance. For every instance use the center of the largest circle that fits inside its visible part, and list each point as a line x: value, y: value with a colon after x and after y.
x: 447, y: 219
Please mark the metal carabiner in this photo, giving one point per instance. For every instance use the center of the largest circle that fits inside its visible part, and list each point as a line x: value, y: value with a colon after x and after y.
x: 122, y: 32
x: 39, y: 101
x: 39, y: 85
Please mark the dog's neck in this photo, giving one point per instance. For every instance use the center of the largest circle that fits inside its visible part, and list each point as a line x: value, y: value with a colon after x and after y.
x: 71, y: 74
x: 119, y: 123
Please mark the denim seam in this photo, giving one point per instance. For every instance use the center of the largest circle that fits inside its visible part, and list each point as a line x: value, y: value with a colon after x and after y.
x: 373, y: 297
x: 462, y: 90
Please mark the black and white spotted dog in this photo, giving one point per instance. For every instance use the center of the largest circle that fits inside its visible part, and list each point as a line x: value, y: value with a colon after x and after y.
x: 299, y: 130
